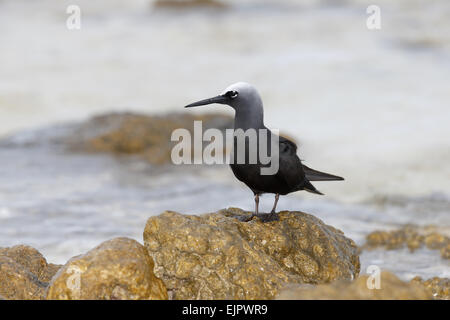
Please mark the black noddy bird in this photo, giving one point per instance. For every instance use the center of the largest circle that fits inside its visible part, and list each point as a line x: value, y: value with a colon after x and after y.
x: 291, y: 176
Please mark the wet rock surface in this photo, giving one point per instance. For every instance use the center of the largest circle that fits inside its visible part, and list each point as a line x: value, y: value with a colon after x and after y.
x: 411, y: 236
x: 391, y: 288
x: 144, y: 135
x: 116, y: 269
x: 216, y: 256
x: 24, y: 273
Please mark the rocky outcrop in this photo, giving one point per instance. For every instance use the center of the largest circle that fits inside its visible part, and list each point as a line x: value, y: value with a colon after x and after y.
x: 216, y: 256
x: 24, y: 273
x: 391, y: 288
x: 116, y: 269
x: 147, y: 136
x: 411, y: 236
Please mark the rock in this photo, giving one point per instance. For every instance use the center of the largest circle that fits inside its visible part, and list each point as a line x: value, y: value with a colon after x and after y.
x: 439, y: 287
x: 396, y: 239
x: 215, y: 256
x: 116, y: 269
x: 147, y: 136
x: 24, y: 273
x: 411, y: 236
x: 391, y: 288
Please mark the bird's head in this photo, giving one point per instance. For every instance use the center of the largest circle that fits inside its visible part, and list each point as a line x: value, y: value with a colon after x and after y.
x: 238, y: 95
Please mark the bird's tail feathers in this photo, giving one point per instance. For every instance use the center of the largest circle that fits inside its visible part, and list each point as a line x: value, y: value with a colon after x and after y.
x: 314, y: 175
x: 310, y: 188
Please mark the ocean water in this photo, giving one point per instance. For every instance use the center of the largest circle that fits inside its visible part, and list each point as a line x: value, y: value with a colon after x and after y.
x: 370, y: 105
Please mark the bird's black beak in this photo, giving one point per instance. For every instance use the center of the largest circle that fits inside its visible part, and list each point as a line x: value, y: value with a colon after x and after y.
x: 222, y: 99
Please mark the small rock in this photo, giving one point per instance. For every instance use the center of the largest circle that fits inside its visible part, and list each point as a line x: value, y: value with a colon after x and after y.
x: 391, y: 288
x: 216, y: 256
x: 116, y: 269
x: 24, y: 273
x: 413, y: 237
x: 396, y: 239
x: 439, y: 287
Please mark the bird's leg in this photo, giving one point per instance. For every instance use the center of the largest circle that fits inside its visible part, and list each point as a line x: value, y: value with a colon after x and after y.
x: 277, y: 196
x: 273, y: 215
x: 256, y: 205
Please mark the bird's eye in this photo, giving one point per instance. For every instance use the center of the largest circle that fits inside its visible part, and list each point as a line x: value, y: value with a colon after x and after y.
x: 231, y: 94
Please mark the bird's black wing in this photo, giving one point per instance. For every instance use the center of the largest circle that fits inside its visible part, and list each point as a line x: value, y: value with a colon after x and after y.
x: 311, y: 175
x: 294, y: 172
x: 290, y: 166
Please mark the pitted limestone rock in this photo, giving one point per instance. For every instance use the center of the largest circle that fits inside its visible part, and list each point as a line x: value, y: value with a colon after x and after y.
x: 216, y: 256
x: 116, y: 269
x: 24, y: 273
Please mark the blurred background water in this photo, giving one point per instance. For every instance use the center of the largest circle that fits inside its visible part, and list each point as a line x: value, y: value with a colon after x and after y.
x: 370, y: 105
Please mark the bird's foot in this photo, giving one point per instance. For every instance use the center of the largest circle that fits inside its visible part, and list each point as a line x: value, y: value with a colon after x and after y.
x: 268, y: 217
x: 264, y: 217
